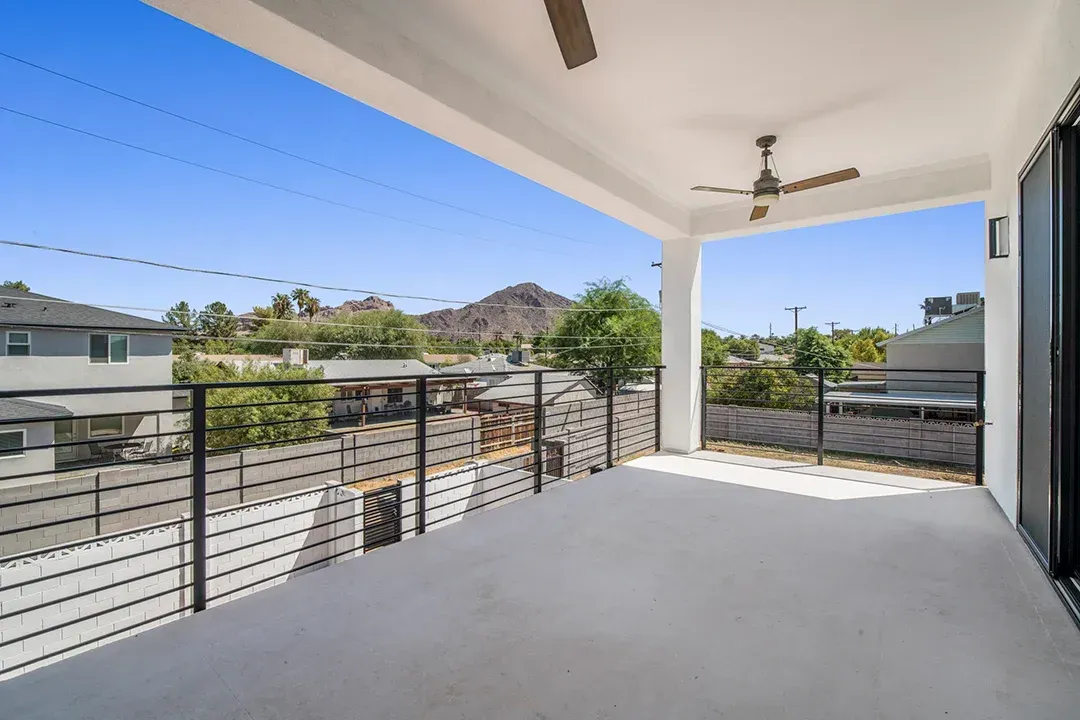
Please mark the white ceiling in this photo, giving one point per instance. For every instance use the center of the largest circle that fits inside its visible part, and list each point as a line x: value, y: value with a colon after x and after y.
x: 681, y: 88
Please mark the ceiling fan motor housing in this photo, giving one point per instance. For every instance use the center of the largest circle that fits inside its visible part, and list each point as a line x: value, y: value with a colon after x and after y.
x: 766, y: 189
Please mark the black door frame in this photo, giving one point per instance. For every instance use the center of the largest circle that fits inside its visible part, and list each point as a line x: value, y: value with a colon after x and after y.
x: 1063, y: 561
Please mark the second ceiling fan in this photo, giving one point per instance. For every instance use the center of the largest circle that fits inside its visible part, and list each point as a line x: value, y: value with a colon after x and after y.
x: 767, y: 188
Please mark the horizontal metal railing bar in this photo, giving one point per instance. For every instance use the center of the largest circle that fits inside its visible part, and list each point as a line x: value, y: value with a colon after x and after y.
x: 104, y: 440
x: 44, y: 392
x: 297, y: 513
x: 92, y: 491
x: 91, y: 591
x: 95, y: 639
x: 431, y: 378
x: 960, y: 440
x: 89, y: 540
x: 97, y: 466
x: 91, y: 616
x: 895, y: 446
x: 94, y: 516
x: 340, y: 468
x: 309, y: 528
x: 876, y: 449
x: 275, y: 538
x: 531, y: 487
x: 846, y: 368
x: 630, y: 437
x: 101, y: 563
x: 96, y: 416
x: 476, y: 480
x: 833, y: 433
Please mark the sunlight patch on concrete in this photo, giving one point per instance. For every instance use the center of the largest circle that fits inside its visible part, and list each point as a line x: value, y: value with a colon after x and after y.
x: 826, y: 488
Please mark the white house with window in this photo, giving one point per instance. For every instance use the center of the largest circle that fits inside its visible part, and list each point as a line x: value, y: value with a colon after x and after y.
x: 51, y: 343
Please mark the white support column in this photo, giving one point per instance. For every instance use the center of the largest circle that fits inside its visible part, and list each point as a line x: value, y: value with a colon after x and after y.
x: 680, y: 409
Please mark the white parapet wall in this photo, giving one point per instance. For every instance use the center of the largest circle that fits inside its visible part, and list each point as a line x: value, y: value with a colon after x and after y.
x: 61, y: 603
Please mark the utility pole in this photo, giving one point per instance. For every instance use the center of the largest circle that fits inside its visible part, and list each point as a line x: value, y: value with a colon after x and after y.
x: 796, y: 310
x: 770, y: 331
x: 832, y: 329
x: 896, y: 328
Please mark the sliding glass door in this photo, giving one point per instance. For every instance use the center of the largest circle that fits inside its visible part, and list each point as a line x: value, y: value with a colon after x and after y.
x: 1037, y: 349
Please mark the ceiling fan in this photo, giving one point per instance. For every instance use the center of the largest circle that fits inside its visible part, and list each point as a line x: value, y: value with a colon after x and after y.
x: 572, y: 31
x: 767, y: 187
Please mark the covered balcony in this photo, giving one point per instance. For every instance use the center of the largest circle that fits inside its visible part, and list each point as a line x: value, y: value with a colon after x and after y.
x: 686, y: 583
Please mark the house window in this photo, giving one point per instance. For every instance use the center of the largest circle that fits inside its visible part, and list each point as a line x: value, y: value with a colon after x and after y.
x: 999, y: 237
x: 394, y: 394
x: 108, y: 349
x: 348, y: 394
x: 18, y: 344
x: 12, y: 444
x: 105, y: 426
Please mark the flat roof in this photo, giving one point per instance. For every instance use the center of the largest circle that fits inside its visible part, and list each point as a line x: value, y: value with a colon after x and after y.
x: 904, y: 399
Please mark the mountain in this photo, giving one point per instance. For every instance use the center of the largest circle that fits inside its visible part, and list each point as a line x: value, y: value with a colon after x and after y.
x: 481, y: 316
x: 371, y: 302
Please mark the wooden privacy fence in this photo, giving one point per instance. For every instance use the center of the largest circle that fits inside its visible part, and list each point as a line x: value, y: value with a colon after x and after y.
x: 502, y: 431
x: 929, y: 440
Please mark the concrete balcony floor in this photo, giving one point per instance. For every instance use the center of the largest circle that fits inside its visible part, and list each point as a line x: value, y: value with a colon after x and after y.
x: 672, y: 587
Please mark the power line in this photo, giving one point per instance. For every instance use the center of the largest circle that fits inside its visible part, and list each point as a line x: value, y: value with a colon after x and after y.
x: 306, y: 323
x: 286, y: 153
x: 298, y: 283
x: 274, y: 186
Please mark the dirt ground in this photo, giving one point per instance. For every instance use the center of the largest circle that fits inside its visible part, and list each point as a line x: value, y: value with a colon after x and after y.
x: 909, y: 468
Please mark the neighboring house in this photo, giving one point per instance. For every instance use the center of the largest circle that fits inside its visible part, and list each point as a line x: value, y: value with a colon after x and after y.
x: 49, y: 343
x: 910, y: 386
x: 28, y: 424
x: 441, y: 359
x: 361, y: 398
x: 519, y: 392
x: 516, y: 361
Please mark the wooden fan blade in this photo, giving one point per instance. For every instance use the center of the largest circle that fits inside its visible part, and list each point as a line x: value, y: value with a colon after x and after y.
x: 710, y: 188
x: 572, y: 31
x: 820, y: 180
x: 758, y: 212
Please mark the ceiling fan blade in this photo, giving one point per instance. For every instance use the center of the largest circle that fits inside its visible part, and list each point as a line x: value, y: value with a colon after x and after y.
x: 758, y: 212
x: 710, y: 188
x: 820, y: 180
x: 572, y: 31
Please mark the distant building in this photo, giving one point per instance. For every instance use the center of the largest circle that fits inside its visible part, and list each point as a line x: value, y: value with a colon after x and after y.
x: 50, y: 343
x: 910, y: 386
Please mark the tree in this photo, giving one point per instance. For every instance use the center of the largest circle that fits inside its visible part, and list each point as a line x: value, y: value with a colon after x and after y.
x: 714, y: 351
x: 815, y: 350
x: 181, y: 315
x: 762, y: 387
x: 373, y: 334
x: 306, y: 304
x: 282, y: 307
x: 16, y: 285
x: 309, y: 405
x: 745, y: 348
x: 217, y: 321
x: 608, y: 325
x: 863, y: 345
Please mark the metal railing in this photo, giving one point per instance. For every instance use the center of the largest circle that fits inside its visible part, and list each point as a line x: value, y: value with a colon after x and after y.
x: 205, y: 492
x: 928, y: 420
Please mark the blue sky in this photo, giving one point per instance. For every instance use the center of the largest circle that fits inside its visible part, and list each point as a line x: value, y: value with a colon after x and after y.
x: 59, y: 188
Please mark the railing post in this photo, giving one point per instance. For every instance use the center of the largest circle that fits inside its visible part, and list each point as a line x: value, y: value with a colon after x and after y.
x: 704, y: 404
x: 821, y: 416
x: 610, y: 416
x: 656, y: 410
x: 421, y: 455
x: 198, y: 496
x: 538, y: 430
x: 980, y: 425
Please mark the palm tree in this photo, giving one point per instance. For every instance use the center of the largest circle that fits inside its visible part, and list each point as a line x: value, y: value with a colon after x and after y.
x: 313, y: 306
x: 282, y: 306
x: 302, y: 298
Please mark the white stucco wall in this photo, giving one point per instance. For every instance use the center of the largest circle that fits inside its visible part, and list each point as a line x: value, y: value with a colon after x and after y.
x: 32, y: 461
x: 1044, y: 86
